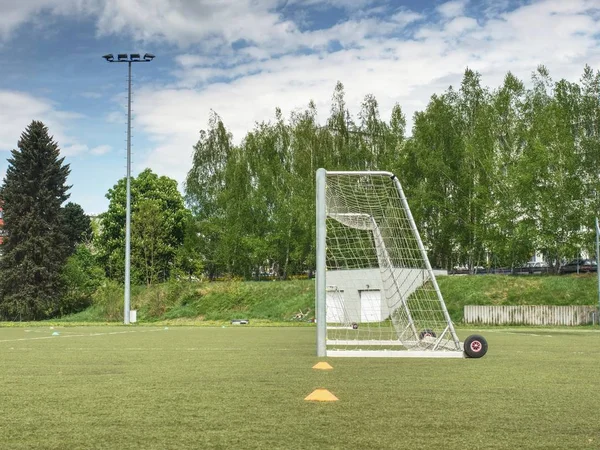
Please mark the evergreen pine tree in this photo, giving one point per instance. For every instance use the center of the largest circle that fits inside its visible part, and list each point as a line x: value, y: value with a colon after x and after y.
x: 78, y: 227
x: 36, y: 247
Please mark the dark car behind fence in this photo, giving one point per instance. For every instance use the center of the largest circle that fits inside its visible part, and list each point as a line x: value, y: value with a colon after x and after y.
x: 579, y: 266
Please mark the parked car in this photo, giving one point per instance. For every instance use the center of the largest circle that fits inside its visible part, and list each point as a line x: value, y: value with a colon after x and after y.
x: 464, y: 270
x: 530, y: 268
x: 579, y: 266
x: 459, y: 270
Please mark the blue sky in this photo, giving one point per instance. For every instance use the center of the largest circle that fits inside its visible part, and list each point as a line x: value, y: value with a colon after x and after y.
x: 244, y: 58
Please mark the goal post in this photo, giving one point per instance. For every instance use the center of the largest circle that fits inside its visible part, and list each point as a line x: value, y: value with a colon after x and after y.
x: 376, y: 292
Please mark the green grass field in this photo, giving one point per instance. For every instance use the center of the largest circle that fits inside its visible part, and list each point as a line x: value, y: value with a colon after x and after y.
x: 198, y: 387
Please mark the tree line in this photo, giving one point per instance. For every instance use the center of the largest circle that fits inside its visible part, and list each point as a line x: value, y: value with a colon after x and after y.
x: 54, y: 257
x: 491, y: 175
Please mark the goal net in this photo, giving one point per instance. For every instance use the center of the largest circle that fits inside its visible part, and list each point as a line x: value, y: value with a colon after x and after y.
x: 376, y: 291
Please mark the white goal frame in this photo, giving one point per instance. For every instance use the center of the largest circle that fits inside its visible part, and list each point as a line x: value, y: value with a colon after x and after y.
x: 453, y: 349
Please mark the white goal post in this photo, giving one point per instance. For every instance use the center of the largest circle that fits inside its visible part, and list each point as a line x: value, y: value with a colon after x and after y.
x: 376, y: 293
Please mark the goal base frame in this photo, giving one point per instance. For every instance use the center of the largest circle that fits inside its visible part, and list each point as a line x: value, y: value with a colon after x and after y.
x: 385, y: 353
x: 393, y: 354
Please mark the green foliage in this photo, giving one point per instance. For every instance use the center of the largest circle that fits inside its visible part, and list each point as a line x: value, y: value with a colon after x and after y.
x: 77, y: 225
x: 188, y: 259
x: 491, y: 175
x: 149, y: 240
x: 273, y: 301
x: 153, y: 302
x: 107, y: 303
x: 494, y: 176
x: 82, y: 276
x: 158, y: 225
x: 255, y: 202
x: 36, y: 247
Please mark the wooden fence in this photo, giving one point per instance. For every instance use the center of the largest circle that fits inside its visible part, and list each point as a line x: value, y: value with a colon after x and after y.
x: 530, y: 315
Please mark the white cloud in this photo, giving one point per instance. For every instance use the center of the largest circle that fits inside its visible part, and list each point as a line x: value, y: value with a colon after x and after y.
x: 100, y: 150
x: 406, y: 17
x: 14, y: 120
x: 16, y: 13
x: 452, y: 9
x: 377, y: 56
x: 345, y: 4
x: 459, y: 25
x: 203, y: 22
x: 206, y: 23
x: 374, y: 61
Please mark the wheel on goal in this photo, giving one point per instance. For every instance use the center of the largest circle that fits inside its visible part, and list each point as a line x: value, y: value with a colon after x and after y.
x: 475, y: 346
x: 427, y: 333
x: 354, y: 326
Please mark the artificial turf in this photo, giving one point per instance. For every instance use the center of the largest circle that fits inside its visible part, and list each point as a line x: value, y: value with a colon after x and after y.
x: 236, y: 387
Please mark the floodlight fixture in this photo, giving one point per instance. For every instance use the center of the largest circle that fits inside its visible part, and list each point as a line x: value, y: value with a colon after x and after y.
x: 134, y: 56
x: 122, y: 56
x: 148, y: 56
x: 109, y: 57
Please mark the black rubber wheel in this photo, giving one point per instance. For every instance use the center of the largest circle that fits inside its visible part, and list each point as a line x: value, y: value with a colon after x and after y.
x: 426, y: 333
x: 475, y: 346
x: 354, y: 326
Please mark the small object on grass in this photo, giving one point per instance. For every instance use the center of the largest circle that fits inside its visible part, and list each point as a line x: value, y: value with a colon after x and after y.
x: 321, y: 395
x: 56, y: 333
x: 166, y: 328
x: 240, y: 321
x: 322, y: 366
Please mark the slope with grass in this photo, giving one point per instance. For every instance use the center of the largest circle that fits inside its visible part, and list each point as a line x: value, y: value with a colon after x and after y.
x: 279, y: 301
x: 274, y: 301
x: 459, y: 291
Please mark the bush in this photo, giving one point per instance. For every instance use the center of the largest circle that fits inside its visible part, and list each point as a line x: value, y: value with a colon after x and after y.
x: 82, y: 276
x: 108, y: 301
x: 154, y: 301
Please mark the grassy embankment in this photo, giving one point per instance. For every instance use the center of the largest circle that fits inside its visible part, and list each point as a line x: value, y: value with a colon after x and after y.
x: 278, y: 301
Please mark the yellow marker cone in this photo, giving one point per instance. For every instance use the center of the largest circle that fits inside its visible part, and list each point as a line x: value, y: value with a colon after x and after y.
x: 321, y: 395
x: 322, y: 366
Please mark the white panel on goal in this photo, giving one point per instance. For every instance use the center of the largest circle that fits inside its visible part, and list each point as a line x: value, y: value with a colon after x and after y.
x: 386, y: 298
x: 335, y: 307
x: 370, y: 306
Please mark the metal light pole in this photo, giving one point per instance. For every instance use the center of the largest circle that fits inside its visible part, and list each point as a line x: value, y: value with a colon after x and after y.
x: 598, y: 264
x: 131, y: 58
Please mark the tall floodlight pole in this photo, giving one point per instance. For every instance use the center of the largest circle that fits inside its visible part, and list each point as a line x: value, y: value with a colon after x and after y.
x: 597, y: 264
x: 131, y: 58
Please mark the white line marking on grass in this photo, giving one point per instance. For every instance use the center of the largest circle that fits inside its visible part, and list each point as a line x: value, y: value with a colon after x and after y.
x: 544, y: 330
x: 519, y: 333
x: 78, y: 335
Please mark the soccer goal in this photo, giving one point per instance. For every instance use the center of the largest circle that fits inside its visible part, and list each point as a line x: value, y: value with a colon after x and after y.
x: 377, y: 294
